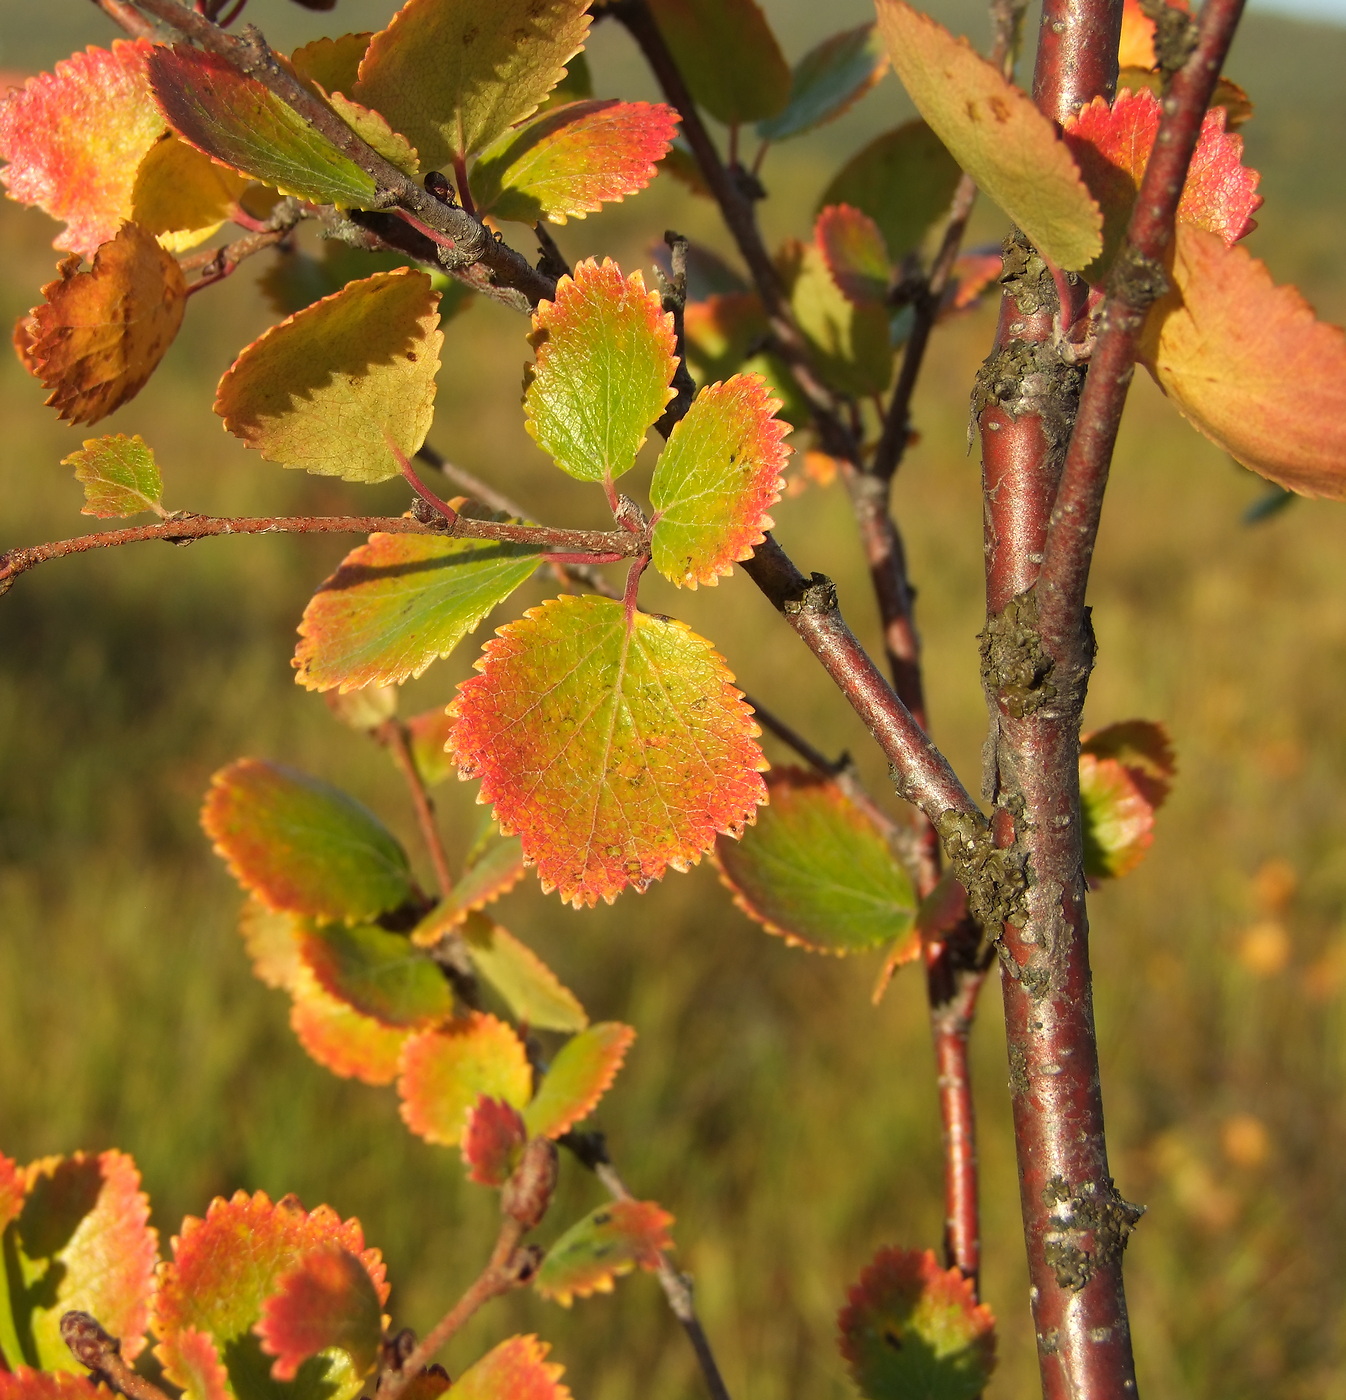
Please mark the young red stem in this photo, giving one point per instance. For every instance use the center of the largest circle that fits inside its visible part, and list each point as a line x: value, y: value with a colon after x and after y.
x: 395, y: 737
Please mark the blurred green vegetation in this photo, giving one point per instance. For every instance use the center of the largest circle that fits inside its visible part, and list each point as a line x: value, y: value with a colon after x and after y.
x: 789, y: 1124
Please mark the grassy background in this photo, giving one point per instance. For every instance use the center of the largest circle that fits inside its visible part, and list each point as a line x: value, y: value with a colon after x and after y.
x: 789, y: 1125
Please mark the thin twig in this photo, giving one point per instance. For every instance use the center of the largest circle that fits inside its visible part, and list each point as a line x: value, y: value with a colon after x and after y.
x: 395, y: 737
x: 93, y: 1347
x: 121, y: 12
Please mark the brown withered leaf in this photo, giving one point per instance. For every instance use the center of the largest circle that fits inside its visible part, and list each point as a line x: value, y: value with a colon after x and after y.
x: 101, y: 332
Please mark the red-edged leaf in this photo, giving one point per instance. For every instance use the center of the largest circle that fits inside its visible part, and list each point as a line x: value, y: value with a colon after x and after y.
x: 500, y: 868
x: 604, y: 365
x: 429, y: 736
x: 198, y: 1361
x: 493, y: 1141
x: 181, y: 195
x: 718, y: 475
x: 337, y: 386
x: 852, y: 344
x: 817, y: 870
x: 303, y: 846
x: 454, y: 74
x: 327, y: 1300
x: 531, y: 990
x: 445, y: 1072
x: 1250, y: 366
x: 572, y: 160
x: 597, y: 1250
x: 23, y: 1383
x: 80, y: 1240
x: 273, y: 944
x: 827, y: 81
x: 1136, y: 49
x: 75, y: 137
x: 379, y: 974
x: 580, y: 1075
x: 340, y: 1039
x: 225, y: 1267
x: 515, y: 1370
x: 728, y: 56
x: 100, y: 334
x: 939, y: 913
x: 912, y: 1328
x: 1238, y: 106
x: 974, y: 274
x: 401, y: 602
x: 853, y: 248
x: 236, y: 120
x: 375, y: 130
x: 720, y: 331
x: 1112, y: 145
x: 1126, y: 771
x: 11, y: 1190
x: 613, y: 745
x: 904, y: 180
x: 996, y: 133
x: 119, y: 475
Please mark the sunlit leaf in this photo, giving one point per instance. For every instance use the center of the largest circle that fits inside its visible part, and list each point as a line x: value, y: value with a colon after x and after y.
x: 333, y: 64
x: 1136, y: 48
x: 580, y: 1075
x: 603, y: 371
x: 817, y: 870
x: 853, y: 248
x: 374, y: 129
x: 614, y: 746
x: 1238, y: 106
x: 452, y: 75
x: 74, y: 138
x: 514, y: 1370
x: 340, y: 1039
x: 365, y: 710
x: 728, y: 56
x: 303, y: 846
x: 1112, y: 145
x: 975, y: 274
x: 913, y: 1329
x: 500, y: 868
x: 429, y: 735
x: 597, y: 1250
x: 181, y: 195
x: 534, y: 994
x: 329, y: 389
x: 493, y: 1141
x: 1249, y: 365
x: 100, y: 334
x: 904, y: 180
x: 715, y: 480
x: 1126, y: 771
x: 445, y: 1072
x: 80, y: 1239
x: 238, y: 121
x: 852, y: 345
x: 380, y: 974
x: 225, y: 1267
x: 996, y: 133
x: 119, y: 475
x: 572, y: 160
x: 24, y: 1383
x: 938, y: 914
x: 721, y: 330
x: 399, y: 603
x: 327, y: 1300
x: 827, y: 81
x: 272, y: 941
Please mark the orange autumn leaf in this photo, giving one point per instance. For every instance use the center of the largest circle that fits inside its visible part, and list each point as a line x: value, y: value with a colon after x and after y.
x: 101, y: 333
x: 74, y: 139
x: 1250, y: 366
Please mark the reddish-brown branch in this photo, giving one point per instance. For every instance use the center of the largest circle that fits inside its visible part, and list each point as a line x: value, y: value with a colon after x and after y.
x: 395, y: 737
x: 123, y: 13
x: 1136, y: 281
x: 93, y: 1347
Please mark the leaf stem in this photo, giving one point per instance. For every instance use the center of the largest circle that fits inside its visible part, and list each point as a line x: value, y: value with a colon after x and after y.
x: 395, y: 737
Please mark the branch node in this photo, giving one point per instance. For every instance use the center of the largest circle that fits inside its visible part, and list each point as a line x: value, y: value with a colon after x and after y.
x: 819, y: 597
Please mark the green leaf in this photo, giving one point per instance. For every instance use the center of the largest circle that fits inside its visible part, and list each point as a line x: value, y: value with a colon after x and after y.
x: 997, y: 134
x: 302, y: 846
x: 445, y: 1072
x: 119, y: 475
x: 498, y: 870
x: 828, y: 80
x: 715, y: 480
x: 580, y: 1075
x: 455, y: 74
x: 913, y: 1329
x: 613, y: 744
x: 238, y: 121
x: 1126, y: 771
x: 607, y: 1243
x: 728, y: 56
x: 603, y: 372
x: 817, y: 870
x: 374, y: 129
x: 212, y: 1295
x: 333, y: 64
x: 399, y: 603
x: 340, y: 1039
x: 335, y: 387
x: 851, y: 344
x: 572, y: 160
x: 380, y: 974
x: 904, y: 180
x: 853, y: 248
x: 77, y: 1237
x: 534, y: 994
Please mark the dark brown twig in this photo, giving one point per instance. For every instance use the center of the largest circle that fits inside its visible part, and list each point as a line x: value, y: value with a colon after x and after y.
x: 93, y: 1347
